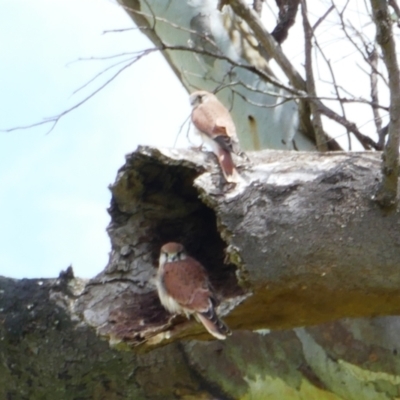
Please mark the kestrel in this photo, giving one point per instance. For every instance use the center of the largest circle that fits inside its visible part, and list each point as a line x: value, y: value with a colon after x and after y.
x: 183, y: 288
x: 214, y: 124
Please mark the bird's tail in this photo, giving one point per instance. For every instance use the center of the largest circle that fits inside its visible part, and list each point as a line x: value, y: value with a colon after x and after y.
x: 231, y: 145
x: 213, y: 324
x: 228, y: 167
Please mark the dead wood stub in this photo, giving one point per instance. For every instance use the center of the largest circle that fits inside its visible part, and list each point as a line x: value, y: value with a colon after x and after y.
x: 154, y: 201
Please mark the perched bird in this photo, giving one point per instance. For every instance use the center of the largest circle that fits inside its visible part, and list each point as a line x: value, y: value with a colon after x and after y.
x: 214, y: 124
x: 183, y: 288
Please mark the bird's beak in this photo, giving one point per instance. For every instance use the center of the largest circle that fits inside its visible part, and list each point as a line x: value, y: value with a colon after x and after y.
x: 174, y: 257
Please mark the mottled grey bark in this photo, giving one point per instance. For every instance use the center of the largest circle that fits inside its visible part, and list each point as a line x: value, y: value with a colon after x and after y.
x: 305, y: 245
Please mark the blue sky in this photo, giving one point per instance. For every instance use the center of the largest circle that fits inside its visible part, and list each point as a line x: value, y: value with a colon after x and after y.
x: 53, y: 187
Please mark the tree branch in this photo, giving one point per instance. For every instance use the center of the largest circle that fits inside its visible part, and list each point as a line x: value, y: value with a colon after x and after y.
x: 283, y: 250
x: 268, y: 42
x: 387, y: 193
x: 287, y: 17
x: 336, y: 88
x: 311, y: 90
x: 373, y: 59
x: 261, y: 234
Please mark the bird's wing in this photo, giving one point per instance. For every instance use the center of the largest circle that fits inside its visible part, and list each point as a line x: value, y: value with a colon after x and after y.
x: 213, y: 119
x: 187, y: 282
x: 203, y: 119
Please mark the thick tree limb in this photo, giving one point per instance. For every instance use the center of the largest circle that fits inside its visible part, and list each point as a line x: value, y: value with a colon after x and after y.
x: 48, y: 352
x: 303, y: 246
x: 302, y: 231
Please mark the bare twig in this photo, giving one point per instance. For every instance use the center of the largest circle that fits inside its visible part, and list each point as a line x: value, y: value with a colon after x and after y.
x: 373, y: 59
x: 353, y: 42
x: 246, y: 99
x: 387, y: 192
x: 186, y: 121
x: 366, y: 141
x: 335, y: 86
x: 153, y: 16
x: 366, y: 54
x: 316, y: 120
x: 296, y: 91
x: 102, y: 72
x: 303, y: 96
x: 140, y: 13
x: 55, y: 119
x: 123, y: 29
x: 320, y: 19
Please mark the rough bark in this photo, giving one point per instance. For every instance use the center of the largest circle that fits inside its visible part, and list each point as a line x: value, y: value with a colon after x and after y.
x: 300, y: 243
x: 287, y: 17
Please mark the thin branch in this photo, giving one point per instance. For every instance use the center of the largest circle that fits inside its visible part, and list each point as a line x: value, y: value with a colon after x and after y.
x: 335, y: 86
x: 316, y: 120
x: 373, y: 58
x: 55, y: 119
x: 299, y: 94
x: 322, y: 18
x: 352, y: 41
x: 247, y: 100
x: 103, y: 58
x: 181, y: 129
x: 366, y: 55
x: 366, y: 141
x: 102, y: 72
x: 172, y: 25
x: 387, y: 192
x: 135, y: 28
x: 304, y: 96
x: 266, y: 77
x: 153, y: 16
